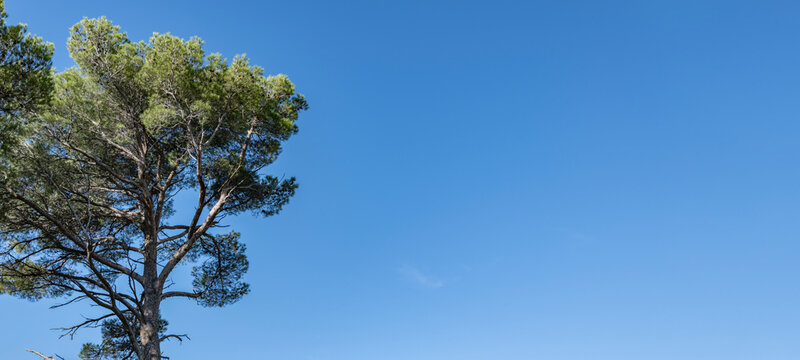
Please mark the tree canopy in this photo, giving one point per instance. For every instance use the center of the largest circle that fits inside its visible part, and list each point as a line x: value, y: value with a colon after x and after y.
x: 25, y: 77
x: 87, y: 196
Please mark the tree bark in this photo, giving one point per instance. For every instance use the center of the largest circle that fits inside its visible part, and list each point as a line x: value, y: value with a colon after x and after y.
x: 149, y: 329
x: 151, y: 300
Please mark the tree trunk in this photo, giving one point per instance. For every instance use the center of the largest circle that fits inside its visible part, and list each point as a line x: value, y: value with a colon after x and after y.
x: 151, y: 322
x: 148, y: 332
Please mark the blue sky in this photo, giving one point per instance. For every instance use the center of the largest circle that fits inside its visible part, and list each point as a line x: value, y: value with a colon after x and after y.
x: 558, y: 180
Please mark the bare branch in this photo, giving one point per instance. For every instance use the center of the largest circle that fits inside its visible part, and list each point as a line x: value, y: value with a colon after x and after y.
x: 40, y: 354
x: 170, y: 294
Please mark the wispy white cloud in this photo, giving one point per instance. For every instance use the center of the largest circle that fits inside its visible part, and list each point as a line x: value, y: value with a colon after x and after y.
x: 413, y: 274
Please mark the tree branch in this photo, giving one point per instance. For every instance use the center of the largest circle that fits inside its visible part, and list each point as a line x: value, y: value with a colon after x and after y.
x: 40, y: 354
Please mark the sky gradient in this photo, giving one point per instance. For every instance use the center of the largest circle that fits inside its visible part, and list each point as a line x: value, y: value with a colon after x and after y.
x: 515, y: 180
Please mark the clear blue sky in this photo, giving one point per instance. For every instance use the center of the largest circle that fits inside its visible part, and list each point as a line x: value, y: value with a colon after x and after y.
x: 556, y: 180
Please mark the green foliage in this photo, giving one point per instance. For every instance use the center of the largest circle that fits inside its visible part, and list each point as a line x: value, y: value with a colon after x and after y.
x: 29, y: 280
x: 114, y: 344
x: 25, y: 78
x: 218, y: 278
